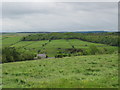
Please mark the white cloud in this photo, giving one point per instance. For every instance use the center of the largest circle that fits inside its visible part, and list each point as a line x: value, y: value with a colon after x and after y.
x: 53, y: 16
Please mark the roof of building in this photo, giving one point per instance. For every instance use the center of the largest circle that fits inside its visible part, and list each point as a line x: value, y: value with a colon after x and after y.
x: 41, y: 55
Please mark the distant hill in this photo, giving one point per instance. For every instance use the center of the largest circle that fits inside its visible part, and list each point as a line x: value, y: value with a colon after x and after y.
x: 91, y: 32
x: 62, y: 32
x: 66, y: 31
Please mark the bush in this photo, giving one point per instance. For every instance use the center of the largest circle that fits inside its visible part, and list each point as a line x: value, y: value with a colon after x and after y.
x: 58, y: 56
x: 94, y: 50
x: 62, y: 54
x: 11, y: 54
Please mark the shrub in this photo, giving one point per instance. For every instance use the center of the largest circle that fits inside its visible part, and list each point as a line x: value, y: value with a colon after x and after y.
x: 58, y: 56
x: 11, y: 54
x: 93, y: 49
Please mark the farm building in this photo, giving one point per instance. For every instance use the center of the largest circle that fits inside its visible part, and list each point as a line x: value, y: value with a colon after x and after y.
x: 41, y: 55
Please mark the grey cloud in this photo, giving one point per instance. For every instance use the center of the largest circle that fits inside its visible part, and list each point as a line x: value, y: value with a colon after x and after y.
x: 12, y: 8
x: 59, y: 16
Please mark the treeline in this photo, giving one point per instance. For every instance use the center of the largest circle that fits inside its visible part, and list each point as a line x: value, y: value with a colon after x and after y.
x: 110, y: 38
x: 12, y: 54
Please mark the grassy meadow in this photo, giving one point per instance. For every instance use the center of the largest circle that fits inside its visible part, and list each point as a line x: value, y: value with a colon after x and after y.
x: 74, y: 72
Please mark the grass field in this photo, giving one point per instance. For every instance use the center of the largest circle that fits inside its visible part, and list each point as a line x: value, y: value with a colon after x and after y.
x: 83, y: 44
x: 36, y: 45
x: 95, y: 71
x: 11, y: 38
x: 51, y: 48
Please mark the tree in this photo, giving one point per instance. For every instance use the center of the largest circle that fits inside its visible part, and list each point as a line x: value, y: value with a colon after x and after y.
x: 11, y: 54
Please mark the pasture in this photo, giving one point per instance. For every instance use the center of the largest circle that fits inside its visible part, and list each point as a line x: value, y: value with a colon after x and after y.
x: 50, y: 48
x: 74, y: 72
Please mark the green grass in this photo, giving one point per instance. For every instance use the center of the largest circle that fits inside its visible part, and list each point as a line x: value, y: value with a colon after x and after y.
x: 36, y: 44
x: 95, y: 71
x: 51, y: 48
x: 90, y: 71
x: 22, y: 44
x: 84, y: 44
x: 79, y: 43
x: 10, y: 40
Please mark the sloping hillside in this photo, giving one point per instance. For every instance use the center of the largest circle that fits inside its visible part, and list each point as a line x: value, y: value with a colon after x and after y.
x: 74, y: 72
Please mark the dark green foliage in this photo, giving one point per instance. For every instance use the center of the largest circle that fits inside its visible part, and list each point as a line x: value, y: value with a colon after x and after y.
x: 73, y: 46
x: 92, y: 50
x: 39, y: 51
x: 58, y: 56
x: 73, y: 50
x: 11, y: 54
x: 62, y: 54
x: 70, y: 52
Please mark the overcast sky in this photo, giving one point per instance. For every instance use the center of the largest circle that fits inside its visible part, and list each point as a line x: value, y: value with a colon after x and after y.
x: 51, y: 16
